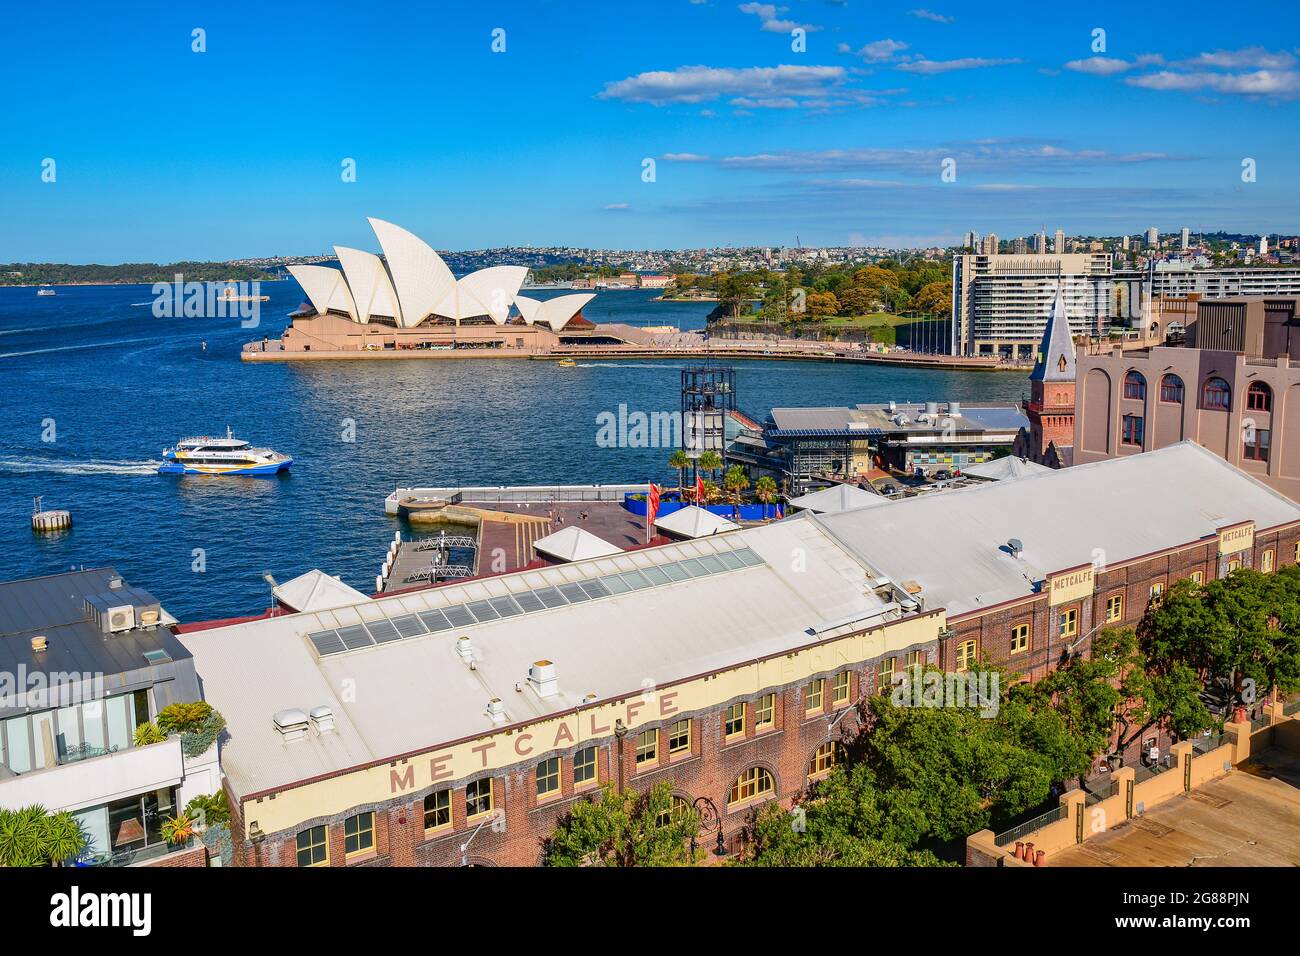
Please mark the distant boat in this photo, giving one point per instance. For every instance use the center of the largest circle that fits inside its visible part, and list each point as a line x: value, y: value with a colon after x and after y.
x: 46, y: 292
x: 221, y: 456
x: 567, y: 363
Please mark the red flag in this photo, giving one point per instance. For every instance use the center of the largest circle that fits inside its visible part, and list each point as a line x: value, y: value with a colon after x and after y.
x: 699, y: 490
x: 653, y: 511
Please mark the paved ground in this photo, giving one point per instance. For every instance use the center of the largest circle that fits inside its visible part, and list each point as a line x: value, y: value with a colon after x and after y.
x: 1251, y: 817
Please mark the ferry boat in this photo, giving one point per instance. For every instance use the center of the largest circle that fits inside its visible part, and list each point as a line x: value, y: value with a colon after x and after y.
x: 567, y: 363
x: 221, y: 456
x: 46, y: 292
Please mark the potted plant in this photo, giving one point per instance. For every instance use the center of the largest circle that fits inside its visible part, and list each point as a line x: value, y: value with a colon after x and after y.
x: 178, y: 830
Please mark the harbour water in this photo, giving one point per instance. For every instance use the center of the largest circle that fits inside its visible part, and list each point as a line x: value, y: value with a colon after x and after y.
x: 93, y: 387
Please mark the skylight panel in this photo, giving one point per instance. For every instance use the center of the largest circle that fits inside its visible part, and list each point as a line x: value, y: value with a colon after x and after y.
x: 326, y: 642
x: 458, y: 616
x: 408, y: 625
x: 355, y: 636
x: 435, y: 620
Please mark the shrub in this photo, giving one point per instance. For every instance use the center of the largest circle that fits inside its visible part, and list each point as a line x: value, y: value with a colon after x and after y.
x: 197, y: 741
x: 33, y: 837
x: 148, y: 733
x: 178, y: 830
x: 208, y: 810
x: 179, y: 718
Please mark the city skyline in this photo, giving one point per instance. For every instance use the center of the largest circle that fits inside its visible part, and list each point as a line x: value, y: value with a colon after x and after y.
x: 239, y: 150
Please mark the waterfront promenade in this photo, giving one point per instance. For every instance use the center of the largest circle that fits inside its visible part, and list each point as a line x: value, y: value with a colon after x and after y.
x: 669, y: 346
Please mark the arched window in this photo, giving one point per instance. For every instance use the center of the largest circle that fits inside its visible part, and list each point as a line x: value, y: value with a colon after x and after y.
x: 679, y: 807
x: 1135, y: 386
x: 1259, y: 397
x: 828, y: 755
x: 1171, y: 389
x: 1217, y: 394
x: 753, y: 783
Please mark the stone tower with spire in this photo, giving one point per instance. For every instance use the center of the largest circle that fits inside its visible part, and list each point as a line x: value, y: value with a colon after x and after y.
x: 1050, y: 409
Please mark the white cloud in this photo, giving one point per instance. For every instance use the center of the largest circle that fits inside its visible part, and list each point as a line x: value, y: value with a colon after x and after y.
x: 686, y: 158
x: 767, y: 13
x: 931, y: 15
x: 986, y: 156
x: 700, y: 84
x: 923, y: 65
x: 877, y: 51
x: 1257, y: 83
x: 615, y: 206
x: 1099, y: 66
x: 1255, y: 57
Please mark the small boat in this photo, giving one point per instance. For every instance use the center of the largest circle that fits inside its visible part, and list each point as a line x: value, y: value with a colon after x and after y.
x: 46, y: 292
x: 221, y: 456
x: 567, y: 363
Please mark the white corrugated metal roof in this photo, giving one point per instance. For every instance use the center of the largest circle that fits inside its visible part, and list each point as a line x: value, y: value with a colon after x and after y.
x: 954, y: 544
x: 416, y: 692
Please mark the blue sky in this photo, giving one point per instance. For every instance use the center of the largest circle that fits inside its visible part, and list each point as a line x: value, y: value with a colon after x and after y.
x: 162, y: 153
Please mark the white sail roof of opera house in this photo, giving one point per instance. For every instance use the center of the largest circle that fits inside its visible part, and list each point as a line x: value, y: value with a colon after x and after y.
x: 553, y: 312
x: 412, y: 283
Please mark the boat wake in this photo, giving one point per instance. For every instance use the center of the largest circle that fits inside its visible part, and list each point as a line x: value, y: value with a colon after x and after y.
x: 76, y: 348
x: 27, y: 466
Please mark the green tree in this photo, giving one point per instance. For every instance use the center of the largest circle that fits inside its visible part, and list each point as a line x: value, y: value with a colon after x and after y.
x: 679, y: 461
x: 856, y: 300
x: 821, y: 305
x: 625, y: 829
x: 735, y: 481
x: 765, y: 489
x: 935, y: 298
x: 31, y: 836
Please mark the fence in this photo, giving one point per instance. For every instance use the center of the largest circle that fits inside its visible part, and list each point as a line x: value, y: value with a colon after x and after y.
x: 1029, y: 826
x: 1203, y: 745
x: 1102, y: 792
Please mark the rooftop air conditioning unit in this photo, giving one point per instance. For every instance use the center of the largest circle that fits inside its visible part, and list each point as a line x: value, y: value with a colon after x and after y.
x: 542, y: 676
x: 322, y: 718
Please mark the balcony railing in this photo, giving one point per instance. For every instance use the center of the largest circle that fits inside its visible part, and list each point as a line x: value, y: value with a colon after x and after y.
x: 1029, y: 826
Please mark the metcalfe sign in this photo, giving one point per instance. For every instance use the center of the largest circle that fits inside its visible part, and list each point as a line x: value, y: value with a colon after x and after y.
x: 1239, y: 537
x: 1071, y: 585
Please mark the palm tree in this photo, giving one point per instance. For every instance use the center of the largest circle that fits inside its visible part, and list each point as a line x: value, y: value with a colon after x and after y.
x: 710, y: 491
x: 765, y: 489
x: 679, y: 461
x: 709, y: 462
x: 33, y: 837
x: 735, y: 481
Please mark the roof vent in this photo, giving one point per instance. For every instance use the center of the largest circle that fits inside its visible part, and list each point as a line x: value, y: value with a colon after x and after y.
x: 542, y: 676
x: 322, y: 718
x: 291, y: 723
x: 464, y: 649
x: 589, y: 698
x: 954, y: 409
x: 497, y: 710
x: 1015, y: 547
x: 115, y: 583
x: 40, y: 643
x: 932, y: 409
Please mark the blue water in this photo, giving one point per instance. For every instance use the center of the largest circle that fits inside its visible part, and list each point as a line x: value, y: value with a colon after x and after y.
x: 112, y: 386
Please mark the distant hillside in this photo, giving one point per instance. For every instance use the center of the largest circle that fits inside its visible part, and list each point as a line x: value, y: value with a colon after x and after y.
x: 62, y: 273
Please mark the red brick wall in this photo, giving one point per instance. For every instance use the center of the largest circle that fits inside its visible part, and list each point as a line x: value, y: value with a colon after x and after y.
x: 195, y: 856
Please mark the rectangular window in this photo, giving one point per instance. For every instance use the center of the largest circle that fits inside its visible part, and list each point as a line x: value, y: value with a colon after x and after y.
x: 733, y: 724
x: 1255, y: 444
x: 1019, y: 638
x: 1132, y: 430
x: 1069, y: 622
x: 965, y: 655
x: 548, y: 776
x: 679, y: 737
x: 1114, y: 607
x: 1266, y: 561
x: 437, y: 810
x: 1157, y: 589
x: 313, y: 847
x: 647, y: 746
x: 840, y: 688
x: 885, y: 674
x: 1198, y: 577
x: 813, y: 691
x: 765, y: 712
x: 1233, y: 565
x: 359, y: 833
x: 478, y: 798
x: 584, y: 766
x: 916, y: 658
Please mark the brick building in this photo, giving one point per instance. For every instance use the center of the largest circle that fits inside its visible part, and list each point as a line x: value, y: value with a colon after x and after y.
x: 1232, y: 389
x: 1049, y: 439
x: 457, y: 724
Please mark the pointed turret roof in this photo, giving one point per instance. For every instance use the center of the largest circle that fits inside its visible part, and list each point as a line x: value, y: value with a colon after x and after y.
x: 1056, y: 352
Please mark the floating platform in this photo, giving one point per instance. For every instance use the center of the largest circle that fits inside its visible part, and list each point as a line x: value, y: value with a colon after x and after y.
x: 55, y: 519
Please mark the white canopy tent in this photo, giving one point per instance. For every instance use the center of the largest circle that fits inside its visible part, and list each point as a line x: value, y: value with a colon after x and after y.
x: 574, y: 544
x: 693, y: 522
x: 837, y: 498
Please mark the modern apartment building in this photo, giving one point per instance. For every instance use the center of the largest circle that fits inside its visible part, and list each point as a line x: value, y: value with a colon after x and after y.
x: 1000, y: 302
x: 84, y: 660
x: 1179, y: 279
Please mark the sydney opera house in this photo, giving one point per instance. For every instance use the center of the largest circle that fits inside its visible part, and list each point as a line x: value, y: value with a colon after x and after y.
x: 410, y: 300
